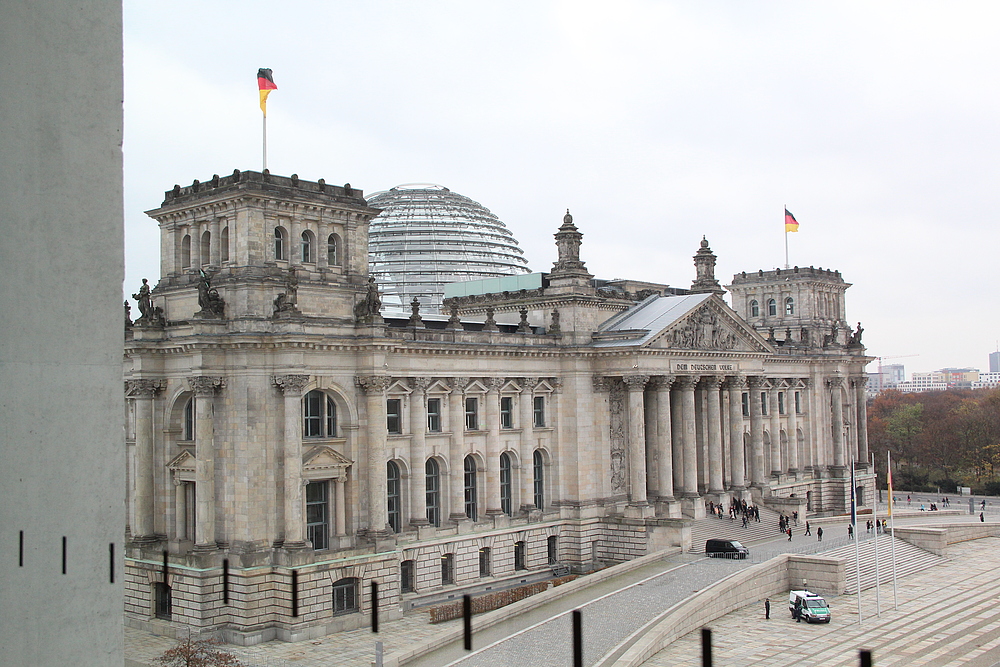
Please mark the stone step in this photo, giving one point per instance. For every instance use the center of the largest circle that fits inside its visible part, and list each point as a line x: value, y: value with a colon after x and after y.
x: 909, y: 559
x: 726, y: 529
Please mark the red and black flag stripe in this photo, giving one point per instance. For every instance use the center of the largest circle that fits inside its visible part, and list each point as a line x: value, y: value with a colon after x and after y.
x: 265, y: 83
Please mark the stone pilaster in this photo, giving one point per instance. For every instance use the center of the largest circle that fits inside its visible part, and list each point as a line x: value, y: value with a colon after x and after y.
x: 635, y: 385
x: 204, y: 389
x: 712, y: 385
x: 143, y: 392
x: 418, y: 442
x: 527, y: 426
x: 374, y: 387
x: 491, y: 412
x: 456, y: 454
x: 861, y: 398
x: 757, y: 467
x: 292, y: 387
x: 736, y: 386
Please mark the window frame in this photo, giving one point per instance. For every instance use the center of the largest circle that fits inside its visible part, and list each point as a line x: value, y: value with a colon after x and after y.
x: 188, y: 423
x: 432, y: 490
x: 407, y: 576
x: 789, y: 306
x: 333, y: 250
x: 308, y: 246
x: 162, y: 600
x: 394, y: 496
x: 538, y: 479
x: 520, y: 556
x: 319, y: 416
x: 754, y: 308
x: 280, y: 244
x: 506, y: 484
x: 552, y: 549
x: 745, y: 403
x: 447, y: 569
x: 485, y: 562
x: 318, y: 532
x: 471, y: 413
x: 506, y: 412
x: 394, y: 416
x: 772, y: 308
x: 470, y: 488
x: 538, y: 411
x: 433, y: 415
x: 345, y: 596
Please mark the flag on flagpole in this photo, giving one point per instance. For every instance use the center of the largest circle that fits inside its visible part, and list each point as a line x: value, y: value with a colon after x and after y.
x: 888, y: 476
x: 791, y: 224
x: 265, y: 83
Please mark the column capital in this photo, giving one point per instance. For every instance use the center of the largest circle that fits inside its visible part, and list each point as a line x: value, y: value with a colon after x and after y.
x: 687, y: 382
x: 663, y: 382
x: 601, y: 383
x: 290, y: 384
x: 459, y: 384
x: 206, y: 385
x: 712, y: 382
x: 493, y: 384
x: 756, y: 381
x: 635, y: 382
x: 736, y: 382
x: 420, y: 384
x: 528, y: 384
x: 835, y: 382
x: 372, y: 384
x: 143, y: 388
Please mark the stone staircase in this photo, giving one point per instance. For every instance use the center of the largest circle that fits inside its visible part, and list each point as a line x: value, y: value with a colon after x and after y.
x: 909, y: 559
x: 714, y: 528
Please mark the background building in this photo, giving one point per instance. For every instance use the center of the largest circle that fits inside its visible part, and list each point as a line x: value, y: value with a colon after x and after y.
x: 994, y: 362
x: 289, y: 442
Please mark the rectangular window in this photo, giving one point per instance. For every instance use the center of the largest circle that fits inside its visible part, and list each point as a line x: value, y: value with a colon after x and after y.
x: 763, y: 403
x: 318, y: 514
x: 484, y: 562
x: 345, y: 596
x: 161, y: 600
x: 406, y: 576
x: 393, y: 420
x: 472, y: 414
x: 798, y: 404
x: 746, y: 404
x: 434, y: 415
x: 448, y: 569
x: 539, y: 411
x: 506, y: 412
x: 520, y: 560
x: 552, y: 546
x: 781, y: 402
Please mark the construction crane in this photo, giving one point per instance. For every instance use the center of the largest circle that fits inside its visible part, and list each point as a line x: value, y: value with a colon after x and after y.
x: 896, y: 356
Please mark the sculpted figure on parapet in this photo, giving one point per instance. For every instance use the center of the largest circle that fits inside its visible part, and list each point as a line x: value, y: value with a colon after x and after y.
x: 367, y: 310
x: 212, y: 305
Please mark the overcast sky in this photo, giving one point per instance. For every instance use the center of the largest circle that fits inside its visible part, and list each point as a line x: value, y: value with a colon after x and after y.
x: 654, y: 122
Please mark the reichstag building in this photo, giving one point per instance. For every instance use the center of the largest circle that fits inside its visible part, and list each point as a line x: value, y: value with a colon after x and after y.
x: 321, y: 397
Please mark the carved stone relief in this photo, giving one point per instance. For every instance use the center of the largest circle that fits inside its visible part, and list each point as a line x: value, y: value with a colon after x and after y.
x: 619, y: 431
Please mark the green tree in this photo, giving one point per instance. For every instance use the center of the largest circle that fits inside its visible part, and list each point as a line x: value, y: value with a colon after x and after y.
x: 903, y: 428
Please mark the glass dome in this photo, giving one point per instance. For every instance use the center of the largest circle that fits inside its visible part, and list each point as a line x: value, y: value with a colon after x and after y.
x: 428, y: 236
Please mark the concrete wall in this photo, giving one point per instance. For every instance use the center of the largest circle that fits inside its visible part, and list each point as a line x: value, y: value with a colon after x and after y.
x: 61, y: 330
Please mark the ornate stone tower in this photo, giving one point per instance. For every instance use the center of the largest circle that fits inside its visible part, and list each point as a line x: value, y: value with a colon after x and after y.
x: 704, y: 264
x: 569, y: 274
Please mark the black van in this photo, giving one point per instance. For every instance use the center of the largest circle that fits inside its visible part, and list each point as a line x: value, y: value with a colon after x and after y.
x: 725, y: 549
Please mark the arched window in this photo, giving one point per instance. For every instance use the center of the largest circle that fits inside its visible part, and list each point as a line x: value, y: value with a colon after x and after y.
x: 345, y: 596
x: 319, y: 415
x: 433, y: 478
x: 754, y: 308
x: 188, y: 426
x: 333, y: 250
x: 539, y: 482
x: 789, y: 306
x: 470, y: 488
x: 308, y: 252
x: 393, y: 496
x: 505, y: 483
x: 772, y: 308
x: 224, y: 245
x: 206, y: 248
x: 186, y: 251
x: 280, y: 243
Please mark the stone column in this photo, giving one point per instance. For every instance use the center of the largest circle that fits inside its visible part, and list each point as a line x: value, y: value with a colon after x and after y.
x: 291, y: 387
x: 664, y: 441
x: 775, y: 427
x: 736, y: 385
x: 635, y: 384
x: 456, y: 455
x: 340, y: 506
x: 861, y: 397
x: 808, y: 460
x: 322, y: 257
x: 758, y: 471
x: 196, y: 259
x: 712, y: 385
x: 491, y: 412
x: 142, y: 392
x: 215, y: 243
x: 204, y: 388
x: 527, y: 425
x: 677, y: 437
x: 851, y: 419
x: 792, y: 429
x: 374, y: 387
x: 294, y: 243
x: 418, y: 442
x: 837, y: 420
x: 689, y: 444
x: 180, y: 509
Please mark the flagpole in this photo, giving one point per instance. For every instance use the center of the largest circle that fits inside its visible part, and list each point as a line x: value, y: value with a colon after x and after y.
x: 265, y: 141
x: 878, y: 585
x: 786, y: 238
x: 857, y: 543
x: 892, y: 529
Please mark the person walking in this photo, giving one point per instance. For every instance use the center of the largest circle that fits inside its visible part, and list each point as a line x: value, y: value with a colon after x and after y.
x: 808, y: 532
x: 767, y: 608
x: 819, y: 534
x: 850, y: 530
x: 789, y: 531
x: 981, y: 518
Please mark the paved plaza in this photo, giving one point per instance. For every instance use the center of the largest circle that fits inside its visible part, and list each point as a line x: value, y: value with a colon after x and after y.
x: 946, y: 616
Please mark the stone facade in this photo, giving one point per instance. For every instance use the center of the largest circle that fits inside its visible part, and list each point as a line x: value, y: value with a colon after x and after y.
x: 288, y: 446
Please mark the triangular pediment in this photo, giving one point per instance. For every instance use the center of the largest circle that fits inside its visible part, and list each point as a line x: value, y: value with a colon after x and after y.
x: 324, y: 457
x: 398, y: 387
x: 183, y: 461
x: 709, y: 325
x: 438, y: 387
x: 510, y: 387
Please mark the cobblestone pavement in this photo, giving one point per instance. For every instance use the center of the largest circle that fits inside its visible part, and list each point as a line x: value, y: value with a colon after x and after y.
x: 604, y: 620
x: 947, y: 615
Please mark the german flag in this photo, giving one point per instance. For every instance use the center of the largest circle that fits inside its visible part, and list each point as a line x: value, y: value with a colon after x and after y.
x: 266, y: 84
x: 791, y: 224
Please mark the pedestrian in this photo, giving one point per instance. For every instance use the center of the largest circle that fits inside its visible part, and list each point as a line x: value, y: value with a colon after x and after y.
x: 850, y: 530
x: 789, y: 534
x: 767, y: 608
x: 808, y: 532
x: 819, y: 534
x: 983, y: 506
x: 981, y: 518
